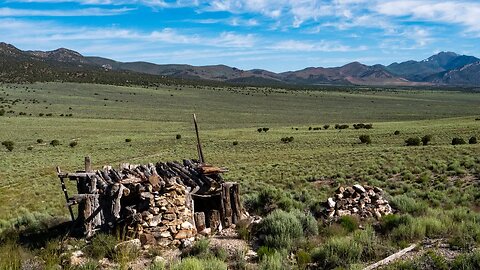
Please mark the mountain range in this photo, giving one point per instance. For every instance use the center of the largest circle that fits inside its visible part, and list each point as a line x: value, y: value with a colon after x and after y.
x: 443, y: 69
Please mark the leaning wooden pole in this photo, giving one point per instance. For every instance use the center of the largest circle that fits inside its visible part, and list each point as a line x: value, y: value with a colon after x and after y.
x: 199, y: 145
x: 65, y: 192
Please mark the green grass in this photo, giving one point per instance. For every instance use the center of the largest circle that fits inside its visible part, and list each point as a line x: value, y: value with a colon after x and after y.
x: 152, y: 118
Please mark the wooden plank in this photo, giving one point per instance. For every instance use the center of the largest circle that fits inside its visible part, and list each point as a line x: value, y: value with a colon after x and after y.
x: 88, y: 164
x: 227, y: 205
x: 200, y: 221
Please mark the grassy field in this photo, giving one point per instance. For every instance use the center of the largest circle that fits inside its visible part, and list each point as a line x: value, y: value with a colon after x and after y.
x: 104, y: 116
x: 435, y: 187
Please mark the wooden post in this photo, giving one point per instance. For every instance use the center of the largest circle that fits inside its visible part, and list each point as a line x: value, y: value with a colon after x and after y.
x: 200, y: 221
x: 214, y: 220
x: 199, y: 145
x: 236, y: 204
x: 65, y: 192
x: 88, y: 164
x: 227, y: 205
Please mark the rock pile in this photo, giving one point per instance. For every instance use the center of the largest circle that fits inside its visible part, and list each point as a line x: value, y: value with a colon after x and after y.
x: 357, y: 200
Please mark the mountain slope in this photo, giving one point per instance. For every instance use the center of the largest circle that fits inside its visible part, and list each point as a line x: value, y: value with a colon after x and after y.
x: 445, y: 68
x: 422, y: 70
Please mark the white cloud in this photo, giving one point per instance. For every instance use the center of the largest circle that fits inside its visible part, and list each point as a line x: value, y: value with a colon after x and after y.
x: 11, y: 12
x: 314, y: 46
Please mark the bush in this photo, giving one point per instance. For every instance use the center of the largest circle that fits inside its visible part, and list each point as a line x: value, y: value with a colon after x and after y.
x: 280, y: 230
x: 102, y: 246
x: 468, y: 261
x: 309, y: 128
x: 265, y: 129
x: 9, y: 145
x: 365, y: 139
x: 259, y: 130
x: 274, y: 261
x: 337, y: 252
x: 73, y: 144
x: 457, y: 141
x: 192, y: 263
x: 349, y: 223
x: 39, y: 140
x: 128, y: 140
x: 472, y: 140
x: 426, y: 139
x: 397, y: 132
x: 2, y: 112
x: 409, y: 205
x: 269, y: 199
x: 235, y: 143
x: 30, y: 148
x: 326, y: 126
x: 413, y: 141
x: 178, y: 136
x: 54, y: 143
x: 287, y: 139
x: 309, y: 223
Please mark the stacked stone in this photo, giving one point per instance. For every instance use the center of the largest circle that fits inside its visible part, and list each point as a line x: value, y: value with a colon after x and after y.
x: 168, y: 219
x: 357, y: 200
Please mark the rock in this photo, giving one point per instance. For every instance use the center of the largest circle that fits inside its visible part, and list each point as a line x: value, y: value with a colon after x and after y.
x: 187, y: 242
x: 159, y: 260
x: 147, y: 239
x: 182, y: 234
x: 206, y: 232
x: 378, y: 190
x: 331, y: 203
x: 186, y: 225
x: 340, y: 190
x: 358, y: 188
x: 130, y: 245
x: 77, y: 258
x: 250, y: 255
x: 165, y: 234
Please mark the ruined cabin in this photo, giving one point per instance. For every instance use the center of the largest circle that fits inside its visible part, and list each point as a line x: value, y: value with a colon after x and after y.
x: 166, y: 203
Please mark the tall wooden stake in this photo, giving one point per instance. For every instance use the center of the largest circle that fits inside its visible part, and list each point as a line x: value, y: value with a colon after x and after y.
x: 199, y: 145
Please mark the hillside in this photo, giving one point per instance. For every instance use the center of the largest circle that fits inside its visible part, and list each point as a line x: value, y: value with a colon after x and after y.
x: 445, y: 69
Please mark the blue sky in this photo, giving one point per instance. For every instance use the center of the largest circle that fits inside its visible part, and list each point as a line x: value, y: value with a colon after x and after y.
x: 277, y: 35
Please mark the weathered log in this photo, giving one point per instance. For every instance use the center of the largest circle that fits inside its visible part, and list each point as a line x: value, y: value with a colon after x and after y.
x: 391, y: 257
x: 211, y: 170
x: 200, y: 221
x: 236, y: 204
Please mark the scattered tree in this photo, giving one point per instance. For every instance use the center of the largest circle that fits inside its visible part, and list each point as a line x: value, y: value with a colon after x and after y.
x: 128, y: 140
x: 365, y: 139
x: 397, y: 132
x: 235, y: 143
x: 326, y: 126
x: 265, y: 129
x: 472, y: 140
x: 426, y: 139
x: 178, y: 137
x: 413, y: 141
x: 55, y: 143
x: 457, y: 141
x: 73, y: 144
x: 287, y: 139
x: 259, y: 130
x: 8, y: 145
x: 39, y: 140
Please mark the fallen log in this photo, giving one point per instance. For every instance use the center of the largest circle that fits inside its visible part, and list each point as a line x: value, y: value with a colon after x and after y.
x: 391, y: 257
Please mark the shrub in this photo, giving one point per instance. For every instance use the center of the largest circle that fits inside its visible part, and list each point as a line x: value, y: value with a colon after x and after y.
x: 39, y: 140
x: 192, y: 263
x: 472, y: 140
x: 259, y: 130
x: 349, y: 223
x: 128, y: 140
x: 9, y: 145
x: 235, y: 143
x: 413, y: 141
x: 337, y: 252
x: 280, y: 230
x: 287, y: 139
x: 2, y: 112
x: 368, y: 126
x: 274, y: 261
x: 30, y: 148
x: 309, y: 128
x: 326, y: 126
x: 268, y: 200
x: 73, y: 144
x: 178, y: 136
x: 265, y: 129
x: 200, y: 248
x: 102, y: 246
x: 426, y: 139
x: 54, y: 143
x: 457, y: 141
x: 303, y: 259
x: 468, y: 261
x: 309, y: 223
x: 397, y: 132
x: 409, y: 205
x: 365, y: 139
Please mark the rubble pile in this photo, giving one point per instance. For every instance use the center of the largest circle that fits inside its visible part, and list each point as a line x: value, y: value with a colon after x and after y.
x: 357, y: 200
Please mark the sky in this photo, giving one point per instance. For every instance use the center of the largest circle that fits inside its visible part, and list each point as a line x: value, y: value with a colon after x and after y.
x: 277, y: 35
